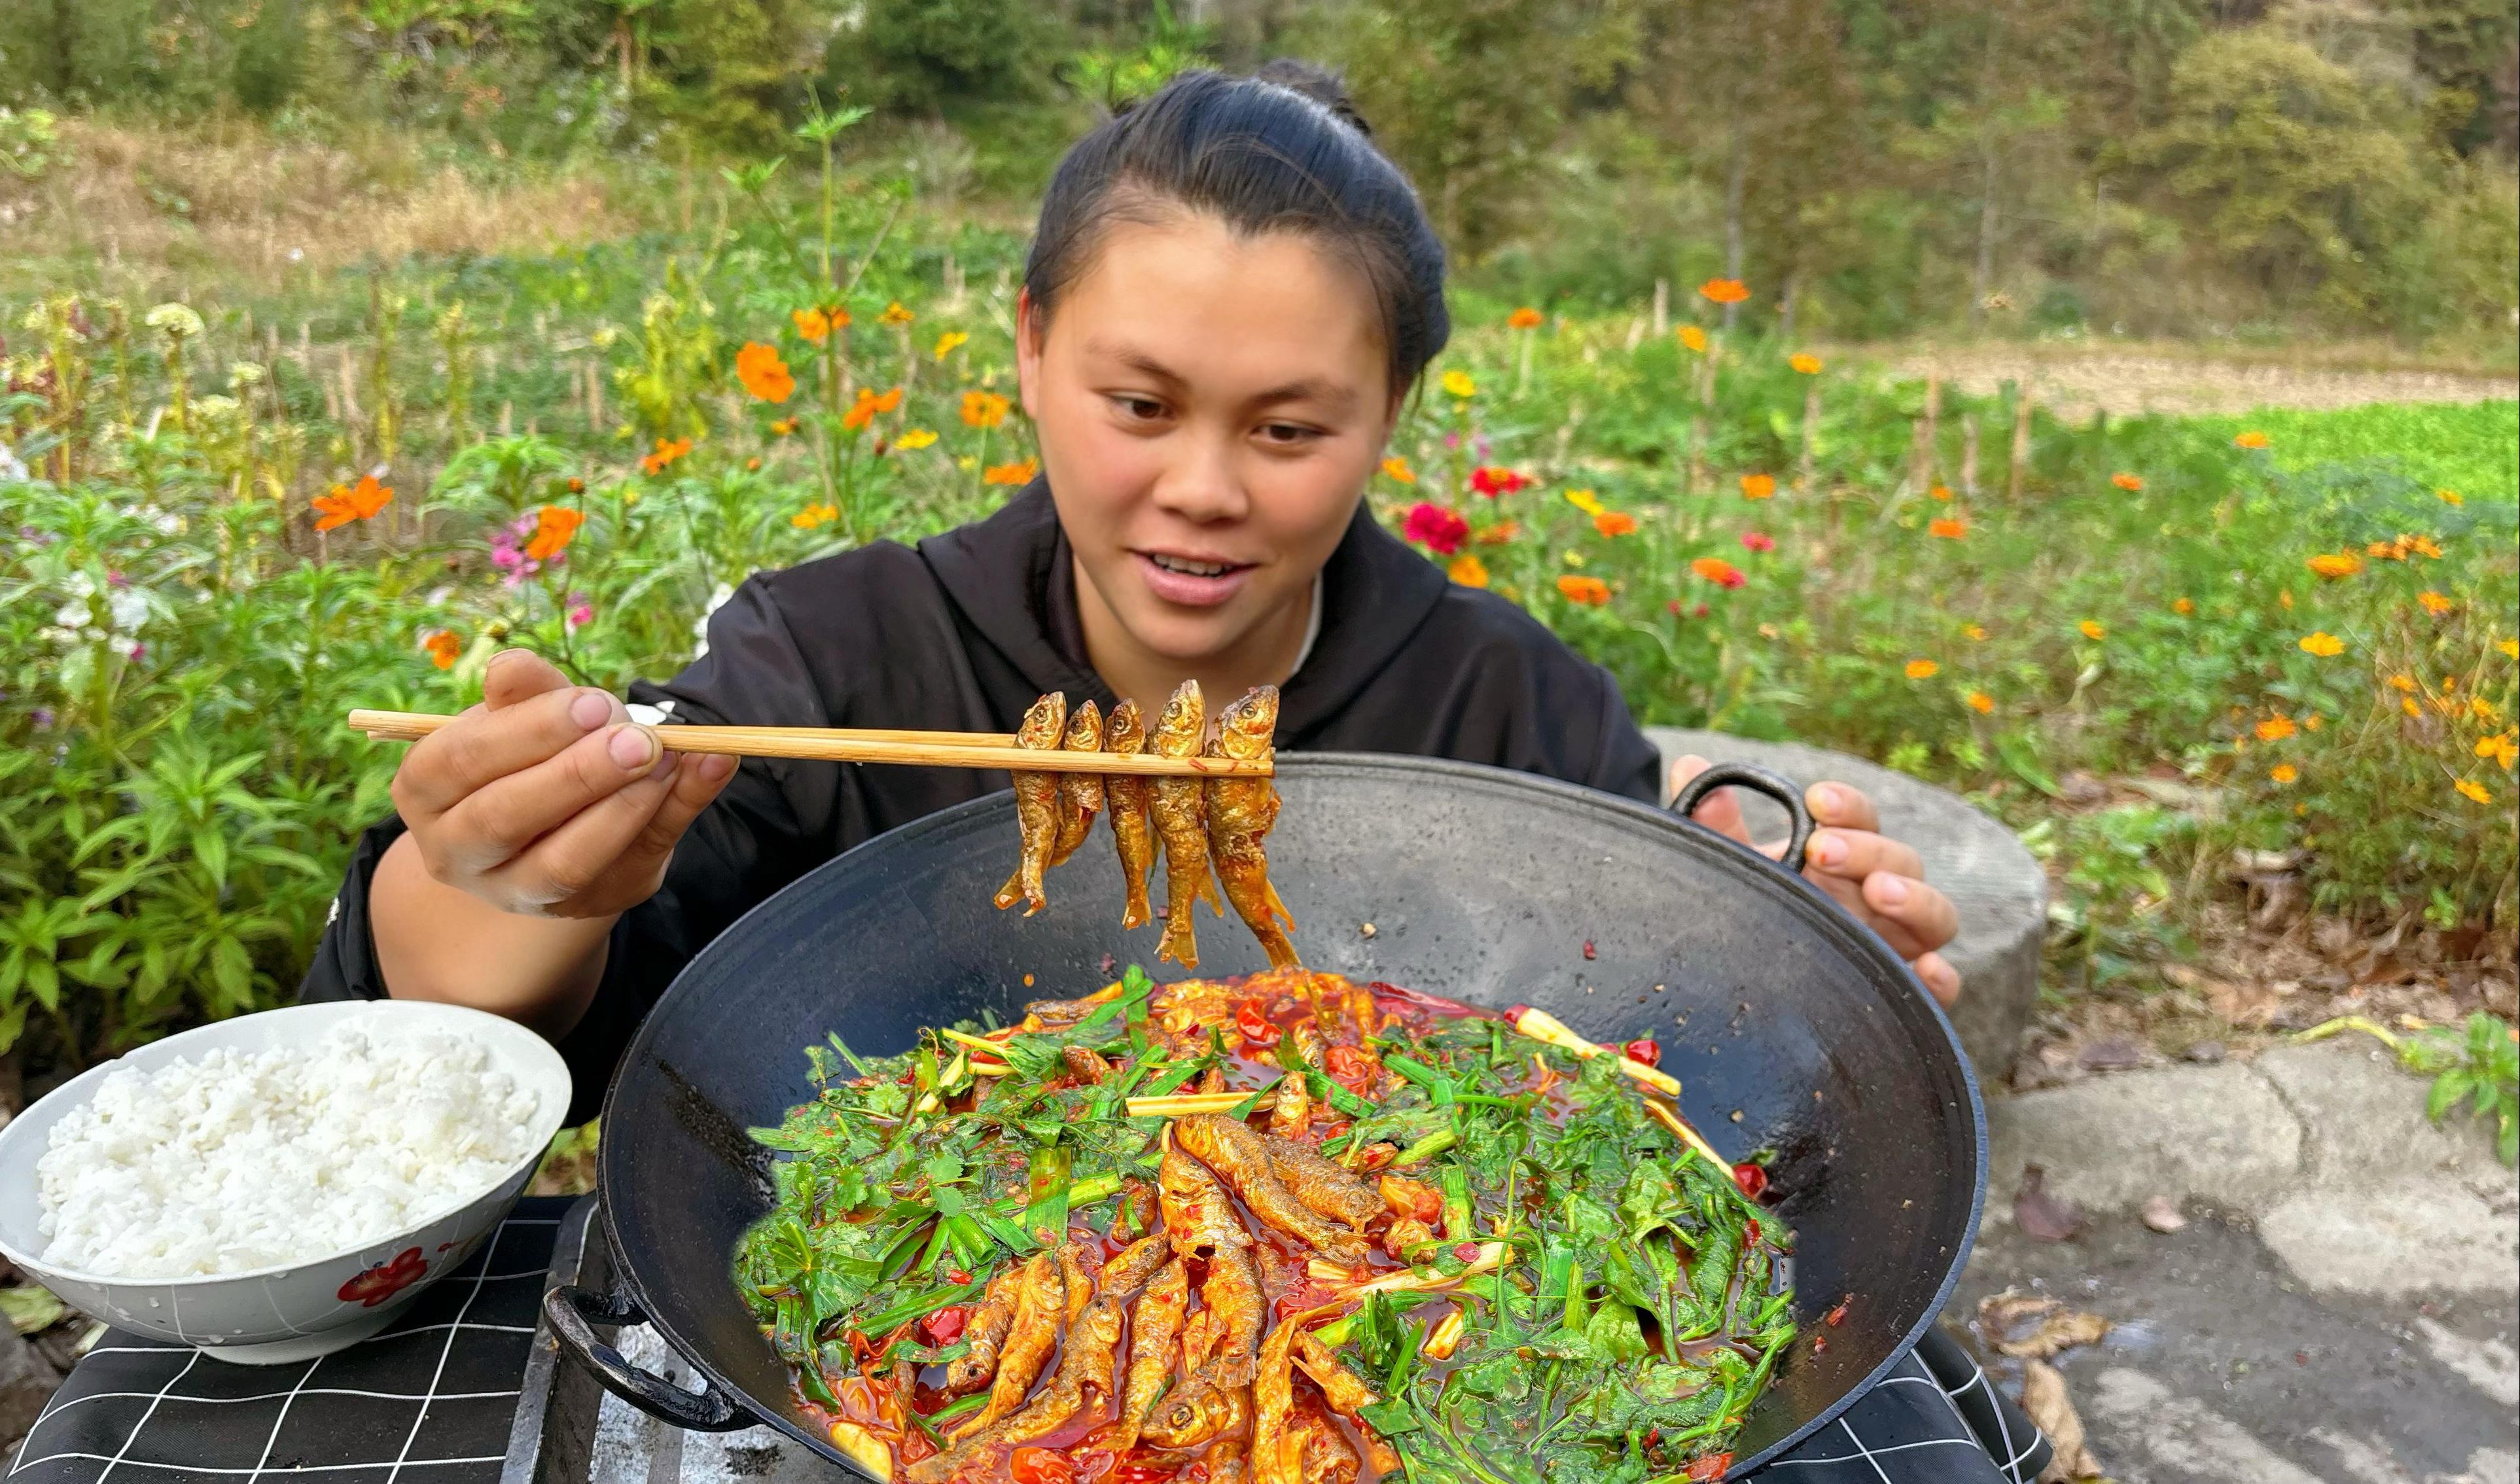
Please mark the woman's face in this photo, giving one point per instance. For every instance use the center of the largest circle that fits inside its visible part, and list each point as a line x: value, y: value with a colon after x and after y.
x: 1209, y: 408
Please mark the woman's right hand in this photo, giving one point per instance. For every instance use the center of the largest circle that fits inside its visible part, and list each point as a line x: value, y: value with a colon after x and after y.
x: 547, y: 800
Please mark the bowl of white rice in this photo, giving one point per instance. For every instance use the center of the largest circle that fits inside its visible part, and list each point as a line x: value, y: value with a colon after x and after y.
x: 279, y: 1185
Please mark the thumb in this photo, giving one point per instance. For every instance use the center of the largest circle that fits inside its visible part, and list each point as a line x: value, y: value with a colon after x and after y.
x: 1718, y: 811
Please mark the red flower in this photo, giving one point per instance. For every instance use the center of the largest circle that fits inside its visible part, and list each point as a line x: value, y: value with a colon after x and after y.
x: 1492, y: 481
x: 1436, y: 528
x: 374, y: 1286
x: 1718, y: 571
x: 1758, y: 541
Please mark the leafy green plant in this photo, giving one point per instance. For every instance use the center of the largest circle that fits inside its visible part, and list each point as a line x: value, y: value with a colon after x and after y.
x: 2477, y: 1065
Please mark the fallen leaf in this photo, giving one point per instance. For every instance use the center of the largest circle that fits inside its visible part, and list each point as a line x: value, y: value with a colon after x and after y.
x: 2042, y: 1397
x: 2061, y: 1330
x: 2046, y: 1217
x: 2161, y: 1213
x: 2032, y: 1326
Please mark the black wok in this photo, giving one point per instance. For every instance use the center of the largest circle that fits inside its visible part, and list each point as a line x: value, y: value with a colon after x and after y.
x: 1791, y: 1027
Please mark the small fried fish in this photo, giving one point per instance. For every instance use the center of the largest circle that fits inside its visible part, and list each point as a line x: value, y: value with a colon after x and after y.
x: 1036, y: 804
x: 1235, y: 1152
x: 1180, y: 818
x: 1041, y: 1303
x: 1198, y: 1216
x: 1275, y: 1456
x: 1325, y: 1188
x: 1131, y: 799
x: 1080, y: 794
x: 973, y: 1368
x: 1240, y: 814
x: 1154, y: 1345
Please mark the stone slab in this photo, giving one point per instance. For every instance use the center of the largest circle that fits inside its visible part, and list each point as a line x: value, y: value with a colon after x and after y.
x: 2215, y: 1132
x: 1997, y: 884
x: 2394, y: 1240
x: 2364, y: 1115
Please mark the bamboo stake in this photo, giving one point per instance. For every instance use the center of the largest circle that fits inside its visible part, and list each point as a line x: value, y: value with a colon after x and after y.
x: 1688, y: 1136
x: 1969, y: 455
x: 1920, y: 458
x: 839, y: 745
x: 2021, y: 405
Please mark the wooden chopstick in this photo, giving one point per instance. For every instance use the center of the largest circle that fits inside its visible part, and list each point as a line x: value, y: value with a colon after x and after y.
x: 935, y: 750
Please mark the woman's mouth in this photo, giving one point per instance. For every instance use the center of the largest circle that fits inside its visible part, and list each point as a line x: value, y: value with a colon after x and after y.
x: 1191, y: 581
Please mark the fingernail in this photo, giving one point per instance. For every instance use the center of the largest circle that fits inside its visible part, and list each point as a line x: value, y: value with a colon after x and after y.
x: 666, y: 762
x: 631, y: 747
x: 1891, y: 892
x: 716, y: 765
x: 590, y: 710
x: 1830, y: 850
x: 1825, y: 799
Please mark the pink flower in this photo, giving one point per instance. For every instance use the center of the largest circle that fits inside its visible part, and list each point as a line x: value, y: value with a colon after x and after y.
x: 1451, y: 440
x: 507, y: 559
x: 580, y: 611
x: 1438, y: 529
x: 1678, y: 611
x: 1758, y: 541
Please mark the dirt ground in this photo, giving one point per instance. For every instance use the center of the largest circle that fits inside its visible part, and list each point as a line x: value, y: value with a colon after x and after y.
x: 2076, y: 381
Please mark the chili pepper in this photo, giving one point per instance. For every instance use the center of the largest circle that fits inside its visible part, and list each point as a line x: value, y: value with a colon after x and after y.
x: 1837, y: 1315
x: 1251, y: 1018
x: 1752, y: 1179
x: 945, y: 1325
x: 1709, y: 1468
x: 1645, y: 1049
x: 1588, y: 949
x: 1348, y: 1067
x: 1466, y: 1251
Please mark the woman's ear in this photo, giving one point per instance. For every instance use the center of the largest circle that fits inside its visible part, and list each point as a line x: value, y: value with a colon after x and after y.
x: 1028, y: 337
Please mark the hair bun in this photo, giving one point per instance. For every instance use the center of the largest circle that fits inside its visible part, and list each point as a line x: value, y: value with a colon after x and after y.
x: 1318, y: 83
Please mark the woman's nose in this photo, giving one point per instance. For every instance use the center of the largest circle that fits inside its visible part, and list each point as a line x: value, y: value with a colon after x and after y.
x: 1201, y: 481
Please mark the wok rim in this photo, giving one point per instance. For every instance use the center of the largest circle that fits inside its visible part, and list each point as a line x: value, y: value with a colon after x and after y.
x: 1822, y: 911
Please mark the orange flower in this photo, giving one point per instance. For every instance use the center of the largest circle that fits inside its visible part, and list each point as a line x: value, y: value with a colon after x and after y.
x: 1973, y: 631
x: 1758, y: 487
x: 2274, y: 728
x: 2504, y: 749
x: 1922, y: 669
x: 2182, y: 604
x: 2474, y: 790
x: 1615, y: 522
x: 2385, y: 551
x: 347, y: 503
x: 554, y: 528
x: 983, y: 409
x: 1724, y: 291
x: 2407, y: 703
x: 1805, y: 362
x: 2127, y: 481
x: 813, y: 515
x: 1718, y: 571
x: 2434, y: 602
x: 1591, y: 592
x: 1467, y: 570
x: 894, y: 314
x: 1941, y: 492
x: 1398, y: 469
x: 2404, y: 681
x: 784, y: 427
x: 868, y: 404
x: 2250, y: 440
x: 1950, y: 528
x: 2423, y: 546
x: 758, y: 367
x: 1981, y: 703
x: 1693, y: 338
x: 1525, y: 318
x: 814, y: 323
x: 2324, y: 645
x: 667, y: 451
x: 443, y: 648
x: 1499, y: 533
x: 1019, y: 473
x: 2451, y: 497
x: 2334, y: 564
x: 2283, y: 773
x: 2091, y: 629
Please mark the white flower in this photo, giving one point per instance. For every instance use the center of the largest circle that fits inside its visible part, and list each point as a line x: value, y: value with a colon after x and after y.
x: 13, y: 469
x: 130, y: 609
x: 176, y: 321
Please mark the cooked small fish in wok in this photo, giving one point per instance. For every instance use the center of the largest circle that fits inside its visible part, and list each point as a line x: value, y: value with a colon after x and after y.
x: 1082, y: 1246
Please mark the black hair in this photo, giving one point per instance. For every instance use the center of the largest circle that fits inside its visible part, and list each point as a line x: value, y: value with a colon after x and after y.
x: 1280, y: 150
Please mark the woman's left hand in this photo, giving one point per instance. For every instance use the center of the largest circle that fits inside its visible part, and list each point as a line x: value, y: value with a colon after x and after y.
x: 1877, y: 878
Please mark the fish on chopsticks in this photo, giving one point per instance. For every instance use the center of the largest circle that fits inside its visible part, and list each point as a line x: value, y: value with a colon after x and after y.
x: 1180, y: 818
x: 1129, y: 801
x: 1037, y: 796
x: 1240, y: 814
x: 1080, y: 794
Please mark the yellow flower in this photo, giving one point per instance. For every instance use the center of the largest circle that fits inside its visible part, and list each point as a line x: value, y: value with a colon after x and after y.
x: 1804, y: 362
x: 2323, y: 643
x: 2274, y: 728
x: 2251, y: 439
x: 2333, y: 565
x: 1981, y: 703
x: 2474, y: 790
x: 2404, y: 681
x: 2283, y: 773
x: 2503, y: 750
x: 1582, y: 499
x: 2091, y: 629
x: 2407, y: 703
x: 1467, y: 570
x: 915, y: 438
x: 2434, y: 602
x: 1398, y: 469
x: 1922, y: 669
x: 1973, y: 630
x: 2451, y: 497
x: 1693, y: 338
x: 1758, y: 487
x: 813, y: 515
x: 1459, y: 385
x: 950, y: 341
x: 2510, y: 649
x: 2182, y: 605
x: 894, y: 314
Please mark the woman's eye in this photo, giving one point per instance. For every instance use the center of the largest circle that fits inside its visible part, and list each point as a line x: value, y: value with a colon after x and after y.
x: 1146, y: 409
x: 1287, y: 435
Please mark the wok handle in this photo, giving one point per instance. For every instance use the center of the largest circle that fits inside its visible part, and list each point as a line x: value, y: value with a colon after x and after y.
x: 1757, y: 779
x: 573, y: 1312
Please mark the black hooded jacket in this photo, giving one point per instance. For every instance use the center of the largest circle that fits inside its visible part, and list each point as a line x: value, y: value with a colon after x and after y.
x: 962, y: 634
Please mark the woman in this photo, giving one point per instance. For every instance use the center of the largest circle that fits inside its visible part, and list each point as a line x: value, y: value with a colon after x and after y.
x: 1230, y: 294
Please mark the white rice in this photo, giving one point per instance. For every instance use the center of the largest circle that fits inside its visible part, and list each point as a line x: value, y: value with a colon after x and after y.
x: 256, y: 1159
